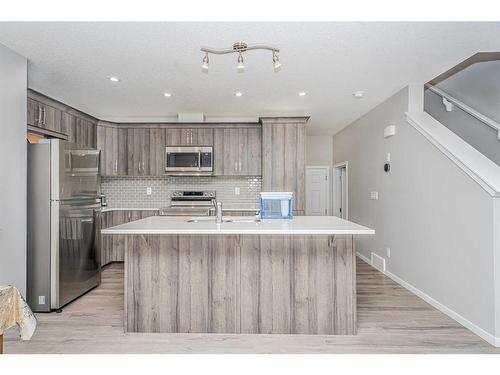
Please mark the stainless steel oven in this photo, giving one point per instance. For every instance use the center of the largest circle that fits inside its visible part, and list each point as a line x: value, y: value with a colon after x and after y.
x: 189, y: 160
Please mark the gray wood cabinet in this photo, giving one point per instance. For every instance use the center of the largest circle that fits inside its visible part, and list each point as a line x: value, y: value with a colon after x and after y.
x: 112, y: 142
x: 189, y: 136
x: 44, y: 116
x: 113, y: 247
x: 157, y: 145
x: 138, y: 152
x: 237, y: 151
x: 283, y: 155
x: 55, y: 119
x: 269, y: 284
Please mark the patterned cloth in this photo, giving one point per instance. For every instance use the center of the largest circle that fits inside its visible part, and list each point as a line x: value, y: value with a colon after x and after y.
x: 14, y: 310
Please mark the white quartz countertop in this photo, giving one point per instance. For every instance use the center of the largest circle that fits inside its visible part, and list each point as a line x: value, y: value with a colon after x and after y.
x: 239, y: 225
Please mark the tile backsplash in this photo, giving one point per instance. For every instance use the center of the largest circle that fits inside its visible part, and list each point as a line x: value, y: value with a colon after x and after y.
x: 130, y: 192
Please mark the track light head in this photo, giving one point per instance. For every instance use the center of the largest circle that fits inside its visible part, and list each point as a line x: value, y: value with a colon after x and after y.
x: 240, y: 67
x: 204, y: 65
x: 276, y: 62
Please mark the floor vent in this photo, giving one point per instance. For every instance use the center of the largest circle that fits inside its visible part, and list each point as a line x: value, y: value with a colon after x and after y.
x: 378, y: 262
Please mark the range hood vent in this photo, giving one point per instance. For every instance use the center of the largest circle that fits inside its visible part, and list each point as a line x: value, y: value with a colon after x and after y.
x: 191, y: 117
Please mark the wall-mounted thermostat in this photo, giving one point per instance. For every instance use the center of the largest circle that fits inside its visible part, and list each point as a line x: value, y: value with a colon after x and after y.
x: 389, y: 131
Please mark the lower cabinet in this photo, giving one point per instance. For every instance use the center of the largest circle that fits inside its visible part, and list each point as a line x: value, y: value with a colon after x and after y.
x: 113, y: 247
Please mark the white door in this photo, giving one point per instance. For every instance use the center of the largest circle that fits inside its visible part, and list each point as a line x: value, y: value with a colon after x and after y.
x: 317, y: 191
x: 340, y: 190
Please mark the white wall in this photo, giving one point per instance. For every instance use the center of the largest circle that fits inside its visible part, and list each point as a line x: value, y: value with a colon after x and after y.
x: 437, y: 221
x: 319, y: 150
x: 13, y: 81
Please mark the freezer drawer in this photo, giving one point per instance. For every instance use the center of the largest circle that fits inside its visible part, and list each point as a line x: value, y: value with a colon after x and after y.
x: 78, y: 254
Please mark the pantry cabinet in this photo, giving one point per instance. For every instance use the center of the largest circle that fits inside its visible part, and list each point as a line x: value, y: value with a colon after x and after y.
x: 283, y: 152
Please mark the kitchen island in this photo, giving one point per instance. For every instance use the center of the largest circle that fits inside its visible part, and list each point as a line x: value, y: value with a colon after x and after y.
x: 240, y: 276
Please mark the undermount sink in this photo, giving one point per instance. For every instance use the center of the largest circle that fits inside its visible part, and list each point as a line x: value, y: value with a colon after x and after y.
x: 224, y: 220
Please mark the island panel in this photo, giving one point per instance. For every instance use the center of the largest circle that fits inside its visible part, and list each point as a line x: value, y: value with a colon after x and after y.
x: 277, y: 284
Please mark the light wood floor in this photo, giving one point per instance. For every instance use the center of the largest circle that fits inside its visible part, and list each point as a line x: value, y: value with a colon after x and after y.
x: 390, y: 320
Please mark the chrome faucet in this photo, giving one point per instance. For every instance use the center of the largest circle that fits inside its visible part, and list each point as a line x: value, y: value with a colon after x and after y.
x: 218, y: 211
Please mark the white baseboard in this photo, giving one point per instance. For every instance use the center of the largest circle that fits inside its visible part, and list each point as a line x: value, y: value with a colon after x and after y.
x: 495, y: 341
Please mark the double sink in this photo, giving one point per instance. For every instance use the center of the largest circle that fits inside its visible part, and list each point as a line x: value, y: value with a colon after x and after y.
x: 224, y: 220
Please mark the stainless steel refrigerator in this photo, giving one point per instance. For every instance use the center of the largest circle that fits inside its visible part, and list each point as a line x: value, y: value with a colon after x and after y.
x: 63, y: 223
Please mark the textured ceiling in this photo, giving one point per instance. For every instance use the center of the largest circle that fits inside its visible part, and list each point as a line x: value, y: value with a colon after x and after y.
x: 70, y: 62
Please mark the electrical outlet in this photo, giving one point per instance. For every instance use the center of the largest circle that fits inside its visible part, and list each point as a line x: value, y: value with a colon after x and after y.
x: 149, y: 190
x: 374, y: 195
x: 41, y: 300
x: 236, y: 191
x: 388, y: 252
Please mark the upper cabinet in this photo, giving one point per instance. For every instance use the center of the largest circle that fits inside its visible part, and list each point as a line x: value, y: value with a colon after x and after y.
x: 51, y: 118
x: 237, y: 151
x: 283, y: 152
x: 131, y: 151
x: 44, y: 116
x: 190, y: 137
x: 138, y: 151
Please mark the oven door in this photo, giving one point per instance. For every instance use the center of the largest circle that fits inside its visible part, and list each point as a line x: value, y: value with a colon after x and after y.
x: 188, y: 160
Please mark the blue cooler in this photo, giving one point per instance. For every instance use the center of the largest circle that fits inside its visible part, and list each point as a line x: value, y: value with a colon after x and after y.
x: 276, y: 205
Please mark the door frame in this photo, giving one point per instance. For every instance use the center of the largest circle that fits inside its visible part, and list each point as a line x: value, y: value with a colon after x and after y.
x: 336, y: 168
x: 327, y: 168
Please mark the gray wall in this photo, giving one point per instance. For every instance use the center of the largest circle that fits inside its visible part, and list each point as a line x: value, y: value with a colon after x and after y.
x: 13, y: 81
x: 319, y: 150
x: 480, y: 136
x: 436, y: 220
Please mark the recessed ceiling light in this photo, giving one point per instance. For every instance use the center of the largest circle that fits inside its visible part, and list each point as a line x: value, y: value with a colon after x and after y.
x: 167, y: 94
x: 302, y: 93
x: 238, y: 94
x: 358, y: 94
x: 114, y: 79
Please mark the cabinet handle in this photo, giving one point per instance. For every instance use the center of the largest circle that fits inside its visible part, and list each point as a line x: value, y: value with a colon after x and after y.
x: 191, y: 137
x: 44, y: 115
x: 116, y: 166
x: 39, y: 119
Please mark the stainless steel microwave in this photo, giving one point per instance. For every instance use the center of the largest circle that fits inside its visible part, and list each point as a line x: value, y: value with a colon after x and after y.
x: 189, y: 160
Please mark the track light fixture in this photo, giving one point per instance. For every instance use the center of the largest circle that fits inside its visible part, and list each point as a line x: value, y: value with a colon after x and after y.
x: 276, y: 62
x: 240, y: 67
x: 239, y: 48
x: 204, y: 65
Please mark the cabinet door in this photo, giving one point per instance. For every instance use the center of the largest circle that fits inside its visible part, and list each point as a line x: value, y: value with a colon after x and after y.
x: 138, y: 152
x: 51, y: 118
x: 122, y: 152
x: 202, y: 137
x: 157, y: 152
x: 231, y: 152
x: 253, y: 152
x: 34, y: 112
x: 178, y: 137
x: 190, y: 137
x: 283, y: 152
x: 249, y: 152
x: 107, y: 143
x: 68, y: 126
